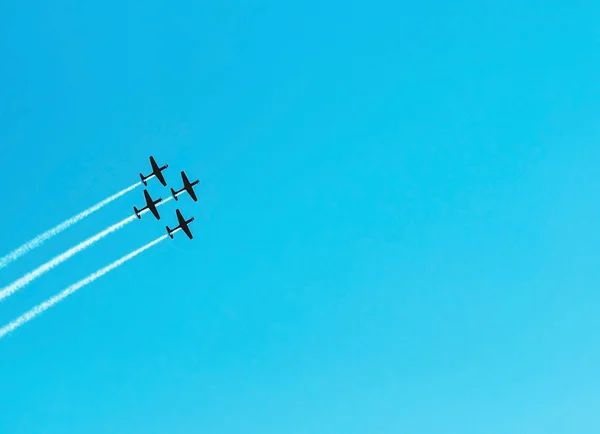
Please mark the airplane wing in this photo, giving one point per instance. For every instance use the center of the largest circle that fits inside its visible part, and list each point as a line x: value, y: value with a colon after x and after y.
x: 188, y: 186
x: 151, y: 205
x: 186, y: 181
x: 154, y: 211
x: 180, y: 218
x: 183, y: 224
x: 147, y: 197
x: 185, y: 228
x: 153, y: 164
x: 192, y: 193
x: 157, y: 171
x: 160, y: 177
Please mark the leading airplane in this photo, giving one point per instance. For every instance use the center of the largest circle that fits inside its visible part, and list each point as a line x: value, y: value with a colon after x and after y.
x: 150, y: 204
x: 187, y: 186
x: 183, y: 225
x: 156, y: 171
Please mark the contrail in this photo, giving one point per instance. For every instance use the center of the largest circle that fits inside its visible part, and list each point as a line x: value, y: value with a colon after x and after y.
x: 28, y: 316
x: 30, y: 245
x: 32, y: 275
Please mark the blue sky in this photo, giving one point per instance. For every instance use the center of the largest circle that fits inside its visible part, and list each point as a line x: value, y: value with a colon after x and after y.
x: 397, y: 226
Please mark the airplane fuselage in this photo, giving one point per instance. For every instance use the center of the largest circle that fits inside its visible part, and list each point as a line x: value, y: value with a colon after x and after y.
x: 183, y: 225
x: 139, y: 212
x: 150, y: 205
x: 187, y: 187
x: 146, y: 178
x: 156, y: 172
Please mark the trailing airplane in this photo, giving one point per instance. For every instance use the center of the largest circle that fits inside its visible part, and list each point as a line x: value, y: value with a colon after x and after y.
x: 187, y: 186
x: 183, y: 225
x: 150, y: 205
x: 156, y: 171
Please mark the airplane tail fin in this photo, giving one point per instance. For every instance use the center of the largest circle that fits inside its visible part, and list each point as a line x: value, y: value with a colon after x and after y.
x: 137, y: 212
x: 143, y: 179
x: 174, y: 194
x: 169, y: 232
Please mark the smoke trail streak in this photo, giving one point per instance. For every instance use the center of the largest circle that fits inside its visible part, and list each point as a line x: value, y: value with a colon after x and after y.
x: 32, y: 275
x: 28, y: 316
x: 32, y: 244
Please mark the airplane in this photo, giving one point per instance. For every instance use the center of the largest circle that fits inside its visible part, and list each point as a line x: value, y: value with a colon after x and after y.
x: 150, y: 204
x: 156, y: 171
x: 187, y: 186
x: 183, y: 225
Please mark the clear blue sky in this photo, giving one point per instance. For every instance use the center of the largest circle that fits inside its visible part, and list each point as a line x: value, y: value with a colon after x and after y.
x: 397, y: 227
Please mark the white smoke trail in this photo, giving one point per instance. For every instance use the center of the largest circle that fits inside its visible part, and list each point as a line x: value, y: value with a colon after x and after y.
x: 32, y: 275
x: 28, y: 316
x: 30, y: 245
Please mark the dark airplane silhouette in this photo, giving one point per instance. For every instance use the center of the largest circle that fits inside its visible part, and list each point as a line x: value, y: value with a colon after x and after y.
x: 156, y: 171
x: 150, y: 204
x: 187, y: 186
x: 183, y: 225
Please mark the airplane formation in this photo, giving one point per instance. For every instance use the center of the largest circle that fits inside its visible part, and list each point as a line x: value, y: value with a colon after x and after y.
x: 188, y: 187
x: 150, y: 206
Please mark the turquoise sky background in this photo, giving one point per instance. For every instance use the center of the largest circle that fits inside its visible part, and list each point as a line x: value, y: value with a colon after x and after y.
x: 397, y: 227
